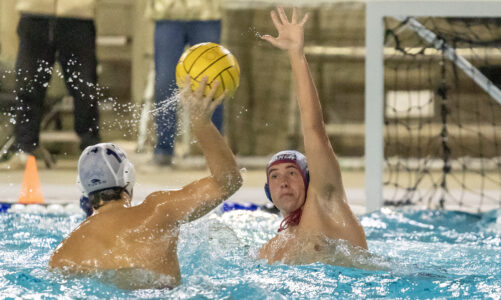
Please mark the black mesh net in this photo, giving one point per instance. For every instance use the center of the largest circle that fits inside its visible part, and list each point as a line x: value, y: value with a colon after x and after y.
x: 442, y: 127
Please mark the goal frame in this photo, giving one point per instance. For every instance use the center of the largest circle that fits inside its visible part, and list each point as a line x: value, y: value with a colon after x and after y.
x: 376, y: 11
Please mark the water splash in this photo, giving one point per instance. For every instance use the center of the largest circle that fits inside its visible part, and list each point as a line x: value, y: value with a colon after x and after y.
x: 124, y: 119
x: 166, y: 104
x: 254, y: 32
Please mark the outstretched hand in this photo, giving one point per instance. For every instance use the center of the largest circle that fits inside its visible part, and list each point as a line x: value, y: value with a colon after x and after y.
x: 290, y: 33
x: 200, y: 106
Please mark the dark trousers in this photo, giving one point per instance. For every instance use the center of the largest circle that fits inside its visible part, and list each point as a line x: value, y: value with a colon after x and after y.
x: 170, y: 39
x: 41, y: 41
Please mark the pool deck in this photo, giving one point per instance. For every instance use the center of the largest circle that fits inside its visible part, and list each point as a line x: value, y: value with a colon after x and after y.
x: 58, y: 184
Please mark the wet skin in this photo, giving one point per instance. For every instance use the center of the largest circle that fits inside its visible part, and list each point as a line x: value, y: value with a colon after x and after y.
x: 286, y: 187
x: 121, y: 238
x: 326, y: 215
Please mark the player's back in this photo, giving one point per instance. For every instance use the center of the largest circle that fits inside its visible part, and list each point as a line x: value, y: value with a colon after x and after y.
x: 120, y: 238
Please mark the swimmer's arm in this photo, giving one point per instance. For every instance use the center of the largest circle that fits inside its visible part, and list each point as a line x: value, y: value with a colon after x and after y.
x: 225, y: 177
x: 325, y: 172
x: 200, y: 197
x: 324, y: 168
x: 193, y: 200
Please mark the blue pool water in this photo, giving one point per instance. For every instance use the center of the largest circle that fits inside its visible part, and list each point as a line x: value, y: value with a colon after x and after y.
x: 431, y: 254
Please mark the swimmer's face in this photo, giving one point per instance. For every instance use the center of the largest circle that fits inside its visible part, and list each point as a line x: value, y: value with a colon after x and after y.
x: 286, y: 187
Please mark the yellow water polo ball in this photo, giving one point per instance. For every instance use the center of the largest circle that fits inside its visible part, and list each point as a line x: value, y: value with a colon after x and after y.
x: 211, y: 60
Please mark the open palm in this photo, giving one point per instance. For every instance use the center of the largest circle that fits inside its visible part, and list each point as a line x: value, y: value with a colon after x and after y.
x: 290, y: 33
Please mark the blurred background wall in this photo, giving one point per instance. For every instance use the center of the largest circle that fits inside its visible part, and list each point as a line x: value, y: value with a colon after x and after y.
x: 260, y: 119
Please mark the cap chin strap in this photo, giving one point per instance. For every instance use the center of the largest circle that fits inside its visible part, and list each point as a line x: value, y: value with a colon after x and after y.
x: 292, y: 219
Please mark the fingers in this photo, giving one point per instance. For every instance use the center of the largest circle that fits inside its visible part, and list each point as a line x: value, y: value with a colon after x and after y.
x: 199, y: 92
x: 218, y: 101
x: 275, y: 19
x: 206, y: 103
x: 187, y: 83
x: 213, y: 103
x: 294, y: 15
x: 213, y: 89
x: 305, y: 19
x: 283, y: 16
x: 270, y: 39
x: 186, y: 88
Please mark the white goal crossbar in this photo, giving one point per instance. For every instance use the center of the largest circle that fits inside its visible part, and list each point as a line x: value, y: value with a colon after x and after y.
x: 376, y: 11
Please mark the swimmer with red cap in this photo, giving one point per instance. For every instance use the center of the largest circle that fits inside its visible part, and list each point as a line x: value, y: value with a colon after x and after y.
x: 307, y: 189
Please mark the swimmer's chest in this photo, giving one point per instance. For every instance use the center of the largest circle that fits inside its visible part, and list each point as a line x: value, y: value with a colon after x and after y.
x: 294, y: 249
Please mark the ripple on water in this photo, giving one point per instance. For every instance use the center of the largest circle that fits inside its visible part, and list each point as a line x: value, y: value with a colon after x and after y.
x: 431, y: 254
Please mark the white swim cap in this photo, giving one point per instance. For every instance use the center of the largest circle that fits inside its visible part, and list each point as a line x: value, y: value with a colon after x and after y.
x: 103, y: 166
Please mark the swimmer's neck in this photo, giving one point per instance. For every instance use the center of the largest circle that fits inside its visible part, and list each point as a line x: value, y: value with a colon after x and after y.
x: 291, y: 230
x: 111, y: 205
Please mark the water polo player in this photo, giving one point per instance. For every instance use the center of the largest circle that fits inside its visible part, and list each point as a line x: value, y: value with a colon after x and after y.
x: 136, y: 246
x: 308, y: 190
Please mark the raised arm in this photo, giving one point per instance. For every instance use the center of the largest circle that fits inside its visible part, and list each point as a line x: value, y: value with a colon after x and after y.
x: 323, y: 165
x: 199, y: 197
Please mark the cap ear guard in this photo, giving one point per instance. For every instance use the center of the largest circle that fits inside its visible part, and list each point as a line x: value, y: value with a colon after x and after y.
x: 129, y: 177
x: 267, y: 192
x: 86, y: 206
x: 80, y: 186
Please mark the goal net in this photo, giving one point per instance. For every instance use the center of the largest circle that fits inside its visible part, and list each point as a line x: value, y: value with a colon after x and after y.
x: 442, y: 112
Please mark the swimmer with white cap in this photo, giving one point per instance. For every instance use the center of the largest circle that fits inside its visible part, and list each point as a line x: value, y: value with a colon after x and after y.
x: 139, y: 243
x: 308, y: 190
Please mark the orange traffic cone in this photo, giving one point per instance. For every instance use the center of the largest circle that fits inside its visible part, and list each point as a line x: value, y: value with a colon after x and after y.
x: 31, y: 190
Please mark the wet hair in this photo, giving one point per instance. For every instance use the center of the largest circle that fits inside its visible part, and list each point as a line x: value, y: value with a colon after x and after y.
x: 97, y: 198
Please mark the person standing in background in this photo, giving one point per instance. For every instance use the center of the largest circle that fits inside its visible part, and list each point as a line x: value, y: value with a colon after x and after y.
x: 50, y: 30
x: 178, y: 23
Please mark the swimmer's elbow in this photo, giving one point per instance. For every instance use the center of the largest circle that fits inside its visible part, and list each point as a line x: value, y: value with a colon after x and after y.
x: 53, y: 263
x: 361, y: 240
x: 57, y: 260
x: 364, y: 242
x: 237, y: 182
x: 231, y: 183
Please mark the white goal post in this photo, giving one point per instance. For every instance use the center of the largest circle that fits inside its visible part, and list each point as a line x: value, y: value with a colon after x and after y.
x: 376, y: 11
